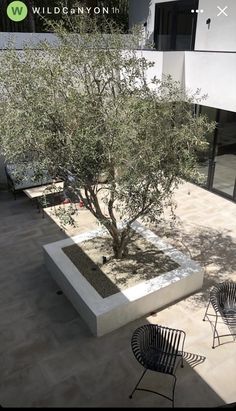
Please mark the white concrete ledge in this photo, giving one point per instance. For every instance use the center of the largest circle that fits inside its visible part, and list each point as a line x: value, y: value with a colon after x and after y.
x: 103, y: 315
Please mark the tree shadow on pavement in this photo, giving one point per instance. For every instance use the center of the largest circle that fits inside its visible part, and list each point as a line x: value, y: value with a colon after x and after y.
x: 214, y: 250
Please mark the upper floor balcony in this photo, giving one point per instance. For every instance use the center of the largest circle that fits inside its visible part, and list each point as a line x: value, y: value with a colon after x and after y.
x: 214, y: 73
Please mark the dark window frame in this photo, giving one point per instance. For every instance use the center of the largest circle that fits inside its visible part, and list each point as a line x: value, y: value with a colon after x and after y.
x: 212, y: 159
x: 174, y: 6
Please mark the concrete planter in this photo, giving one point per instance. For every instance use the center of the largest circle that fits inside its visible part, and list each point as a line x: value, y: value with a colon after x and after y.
x: 103, y: 315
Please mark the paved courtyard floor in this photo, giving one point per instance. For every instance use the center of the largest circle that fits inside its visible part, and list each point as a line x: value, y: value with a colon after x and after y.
x: 48, y: 357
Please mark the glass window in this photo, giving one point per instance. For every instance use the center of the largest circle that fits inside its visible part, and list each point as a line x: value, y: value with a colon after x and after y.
x: 206, y: 156
x: 218, y: 164
x: 225, y: 160
x: 175, y: 25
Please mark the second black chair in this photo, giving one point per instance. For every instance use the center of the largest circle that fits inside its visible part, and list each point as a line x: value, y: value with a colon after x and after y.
x: 223, y: 300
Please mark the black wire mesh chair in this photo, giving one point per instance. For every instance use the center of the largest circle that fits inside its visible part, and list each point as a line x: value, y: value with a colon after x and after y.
x: 158, y: 349
x: 223, y: 301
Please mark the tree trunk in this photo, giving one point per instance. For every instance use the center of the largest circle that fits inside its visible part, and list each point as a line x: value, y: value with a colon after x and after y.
x: 120, y: 245
x: 120, y: 237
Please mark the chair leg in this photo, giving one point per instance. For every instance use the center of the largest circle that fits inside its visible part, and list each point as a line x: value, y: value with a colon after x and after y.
x: 204, y: 318
x: 173, y: 392
x: 131, y: 395
x: 215, y: 333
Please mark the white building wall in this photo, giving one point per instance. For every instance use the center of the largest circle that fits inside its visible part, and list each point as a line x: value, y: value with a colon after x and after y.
x: 157, y: 58
x: 174, y: 65
x: 221, y: 36
x: 19, y: 40
x: 215, y: 75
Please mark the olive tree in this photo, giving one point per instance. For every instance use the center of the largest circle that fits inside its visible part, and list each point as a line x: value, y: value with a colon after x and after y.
x: 84, y: 108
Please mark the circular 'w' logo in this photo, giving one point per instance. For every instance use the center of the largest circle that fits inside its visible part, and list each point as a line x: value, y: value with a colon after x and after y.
x: 17, y: 11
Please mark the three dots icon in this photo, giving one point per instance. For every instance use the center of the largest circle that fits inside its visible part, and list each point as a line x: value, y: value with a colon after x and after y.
x: 197, y: 11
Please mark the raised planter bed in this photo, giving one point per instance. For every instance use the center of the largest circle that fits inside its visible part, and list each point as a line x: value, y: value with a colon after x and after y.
x: 103, y: 315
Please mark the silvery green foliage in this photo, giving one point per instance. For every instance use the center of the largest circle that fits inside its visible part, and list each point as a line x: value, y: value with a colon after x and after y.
x: 84, y: 109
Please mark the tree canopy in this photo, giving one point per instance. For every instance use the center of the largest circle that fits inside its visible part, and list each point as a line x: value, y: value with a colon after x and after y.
x: 85, y: 109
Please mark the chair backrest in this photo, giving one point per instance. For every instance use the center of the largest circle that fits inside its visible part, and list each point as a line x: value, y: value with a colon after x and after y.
x: 156, y: 347
x: 223, y: 295
x: 22, y: 176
